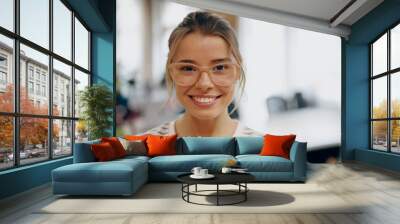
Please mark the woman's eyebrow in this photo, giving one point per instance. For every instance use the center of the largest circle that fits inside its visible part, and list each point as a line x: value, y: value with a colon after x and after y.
x: 213, y: 61
x: 221, y: 60
x: 187, y: 61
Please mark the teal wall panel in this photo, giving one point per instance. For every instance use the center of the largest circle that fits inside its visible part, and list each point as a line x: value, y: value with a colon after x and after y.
x: 24, y: 178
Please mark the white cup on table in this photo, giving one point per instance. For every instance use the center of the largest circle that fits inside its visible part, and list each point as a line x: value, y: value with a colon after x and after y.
x: 196, y: 170
x: 203, y: 172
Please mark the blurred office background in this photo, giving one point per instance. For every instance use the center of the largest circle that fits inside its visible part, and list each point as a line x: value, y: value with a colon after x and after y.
x: 293, y: 75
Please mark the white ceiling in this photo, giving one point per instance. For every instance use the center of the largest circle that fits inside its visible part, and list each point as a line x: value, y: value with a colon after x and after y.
x: 315, y: 15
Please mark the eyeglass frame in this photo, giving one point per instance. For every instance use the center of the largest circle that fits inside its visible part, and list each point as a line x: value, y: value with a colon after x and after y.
x: 201, y: 69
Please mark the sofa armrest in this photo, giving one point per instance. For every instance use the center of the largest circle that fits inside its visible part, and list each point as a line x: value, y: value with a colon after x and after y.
x: 83, y: 152
x: 298, y: 155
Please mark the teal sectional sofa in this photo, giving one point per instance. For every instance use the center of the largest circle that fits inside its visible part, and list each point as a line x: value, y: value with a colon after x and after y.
x: 125, y: 176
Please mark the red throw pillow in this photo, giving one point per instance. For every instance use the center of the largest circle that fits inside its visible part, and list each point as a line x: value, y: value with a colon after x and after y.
x: 116, y: 145
x: 103, y: 151
x: 277, y: 145
x: 160, y: 145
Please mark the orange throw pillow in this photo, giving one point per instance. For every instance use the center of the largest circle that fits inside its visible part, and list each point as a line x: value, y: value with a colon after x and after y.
x: 277, y: 145
x: 103, y: 151
x: 116, y: 145
x: 161, y: 145
x: 136, y: 137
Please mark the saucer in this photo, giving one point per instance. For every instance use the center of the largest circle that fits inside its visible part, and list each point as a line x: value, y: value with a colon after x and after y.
x: 208, y: 176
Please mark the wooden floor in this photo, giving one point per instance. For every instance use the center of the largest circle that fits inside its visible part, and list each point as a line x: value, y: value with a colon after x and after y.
x: 378, y: 188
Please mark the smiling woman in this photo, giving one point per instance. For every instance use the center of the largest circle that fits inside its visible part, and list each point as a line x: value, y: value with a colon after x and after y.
x: 204, y: 66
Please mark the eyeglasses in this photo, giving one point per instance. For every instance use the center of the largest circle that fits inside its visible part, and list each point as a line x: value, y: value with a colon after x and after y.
x: 187, y: 74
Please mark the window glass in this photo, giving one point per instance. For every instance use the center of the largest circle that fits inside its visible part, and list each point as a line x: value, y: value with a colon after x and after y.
x: 62, y: 138
x: 7, y: 14
x: 6, y: 142
x: 6, y: 74
x: 395, y: 95
x: 39, y: 62
x: 81, y: 45
x: 33, y: 140
x: 379, y: 55
x: 379, y: 135
x: 395, y: 47
x: 81, y: 81
x: 34, y: 21
x: 81, y: 131
x: 62, y: 29
x: 379, y: 97
x: 62, y: 91
x: 395, y: 136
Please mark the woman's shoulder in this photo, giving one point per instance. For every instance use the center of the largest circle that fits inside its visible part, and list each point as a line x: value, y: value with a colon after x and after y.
x: 244, y: 130
x: 167, y: 128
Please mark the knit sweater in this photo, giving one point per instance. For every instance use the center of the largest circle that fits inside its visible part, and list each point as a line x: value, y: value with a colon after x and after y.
x: 168, y: 128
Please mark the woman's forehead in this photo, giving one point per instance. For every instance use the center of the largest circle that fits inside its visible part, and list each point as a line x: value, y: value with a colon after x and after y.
x: 200, y: 48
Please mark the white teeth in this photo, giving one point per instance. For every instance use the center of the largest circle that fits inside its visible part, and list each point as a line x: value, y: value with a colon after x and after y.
x: 204, y: 99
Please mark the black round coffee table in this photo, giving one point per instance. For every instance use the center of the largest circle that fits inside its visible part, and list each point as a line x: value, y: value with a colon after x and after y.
x: 238, y: 179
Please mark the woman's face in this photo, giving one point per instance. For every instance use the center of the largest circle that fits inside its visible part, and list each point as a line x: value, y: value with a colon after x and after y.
x: 204, y: 99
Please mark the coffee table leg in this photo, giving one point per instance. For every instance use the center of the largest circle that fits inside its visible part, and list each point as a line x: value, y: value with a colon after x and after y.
x: 245, y: 191
x: 196, y: 188
x: 217, y: 194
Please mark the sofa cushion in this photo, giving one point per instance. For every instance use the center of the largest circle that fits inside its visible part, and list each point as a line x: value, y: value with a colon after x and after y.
x: 103, y: 151
x: 257, y: 163
x: 161, y: 145
x: 116, y: 145
x: 83, y: 152
x: 185, y: 163
x: 206, y: 145
x: 277, y: 145
x: 249, y: 145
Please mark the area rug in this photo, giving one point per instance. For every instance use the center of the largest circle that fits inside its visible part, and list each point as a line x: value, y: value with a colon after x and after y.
x: 167, y: 198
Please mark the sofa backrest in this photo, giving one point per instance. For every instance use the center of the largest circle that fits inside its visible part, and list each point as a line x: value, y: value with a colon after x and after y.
x: 249, y: 145
x: 206, y: 145
x: 83, y: 153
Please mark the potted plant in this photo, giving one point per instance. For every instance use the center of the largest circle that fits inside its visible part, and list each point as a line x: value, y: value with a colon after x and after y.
x: 96, y: 103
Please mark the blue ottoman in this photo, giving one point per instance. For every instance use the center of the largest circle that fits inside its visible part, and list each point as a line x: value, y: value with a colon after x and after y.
x: 118, y: 177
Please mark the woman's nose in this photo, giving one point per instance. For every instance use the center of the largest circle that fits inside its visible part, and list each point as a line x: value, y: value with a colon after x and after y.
x: 204, y: 80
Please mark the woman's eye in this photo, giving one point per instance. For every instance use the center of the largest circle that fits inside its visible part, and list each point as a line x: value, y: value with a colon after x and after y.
x: 188, y: 69
x: 219, y: 68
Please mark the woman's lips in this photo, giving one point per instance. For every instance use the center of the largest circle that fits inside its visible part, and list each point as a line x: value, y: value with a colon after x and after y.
x: 204, y: 101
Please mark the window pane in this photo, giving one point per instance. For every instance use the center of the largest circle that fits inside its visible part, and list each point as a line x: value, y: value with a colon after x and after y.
x: 379, y: 100
x: 81, y: 131
x: 379, y: 135
x: 81, y: 81
x: 395, y: 47
x: 62, y: 89
x: 81, y: 45
x: 395, y: 138
x: 35, y: 21
x: 6, y: 74
x: 7, y: 14
x: 33, y: 139
x: 395, y: 94
x: 62, y: 29
x: 62, y: 138
x: 6, y: 142
x: 379, y: 55
x: 34, y: 72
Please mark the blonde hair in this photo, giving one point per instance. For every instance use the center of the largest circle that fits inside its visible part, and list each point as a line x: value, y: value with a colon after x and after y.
x: 208, y: 24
